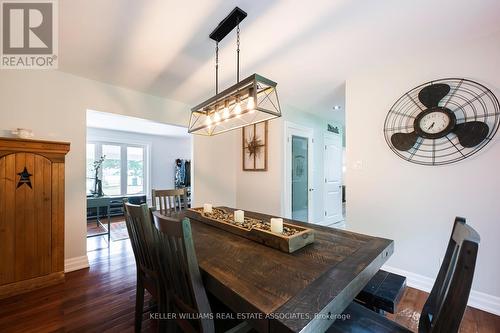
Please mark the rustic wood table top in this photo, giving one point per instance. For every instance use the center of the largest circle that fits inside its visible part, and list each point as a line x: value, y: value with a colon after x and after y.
x: 287, y: 292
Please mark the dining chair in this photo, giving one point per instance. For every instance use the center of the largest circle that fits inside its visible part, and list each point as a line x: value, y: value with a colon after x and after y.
x: 181, y: 274
x: 169, y: 200
x: 445, y: 306
x: 142, y: 237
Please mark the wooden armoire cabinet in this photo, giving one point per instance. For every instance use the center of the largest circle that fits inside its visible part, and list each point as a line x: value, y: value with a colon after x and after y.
x: 31, y: 214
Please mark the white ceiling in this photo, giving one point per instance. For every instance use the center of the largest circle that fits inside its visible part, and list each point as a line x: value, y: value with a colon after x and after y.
x: 96, y: 119
x: 309, y: 47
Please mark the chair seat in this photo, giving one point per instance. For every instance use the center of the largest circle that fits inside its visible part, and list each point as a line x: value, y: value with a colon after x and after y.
x: 383, y: 291
x: 362, y: 320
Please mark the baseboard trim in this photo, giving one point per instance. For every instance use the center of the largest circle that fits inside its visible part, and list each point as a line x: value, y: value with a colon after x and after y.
x: 76, y: 263
x: 477, y: 299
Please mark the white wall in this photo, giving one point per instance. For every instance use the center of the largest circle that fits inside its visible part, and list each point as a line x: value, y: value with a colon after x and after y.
x: 164, y: 150
x: 54, y: 105
x: 214, y: 169
x: 416, y: 205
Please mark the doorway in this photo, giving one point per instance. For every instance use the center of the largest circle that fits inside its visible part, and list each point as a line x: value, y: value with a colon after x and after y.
x: 299, y: 167
x: 126, y: 158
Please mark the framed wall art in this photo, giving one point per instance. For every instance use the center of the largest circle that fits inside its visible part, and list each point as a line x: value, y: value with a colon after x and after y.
x: 254, y: 144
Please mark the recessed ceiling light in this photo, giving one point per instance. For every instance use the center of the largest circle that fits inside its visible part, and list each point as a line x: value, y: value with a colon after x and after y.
x: 336, y: 107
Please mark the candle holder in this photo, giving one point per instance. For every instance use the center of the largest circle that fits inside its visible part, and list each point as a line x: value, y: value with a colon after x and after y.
x: 291, y: 238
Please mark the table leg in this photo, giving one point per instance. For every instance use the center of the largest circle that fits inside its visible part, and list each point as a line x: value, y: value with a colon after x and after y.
x: 109, y: 224
x: 97, y: 217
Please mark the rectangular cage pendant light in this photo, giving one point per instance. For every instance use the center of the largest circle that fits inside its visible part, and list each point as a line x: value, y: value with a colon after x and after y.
x: 247, y: 102
x: 250, y: 101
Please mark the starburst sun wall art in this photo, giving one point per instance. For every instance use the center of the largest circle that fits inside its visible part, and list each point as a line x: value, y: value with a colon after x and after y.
x: 255, y: 147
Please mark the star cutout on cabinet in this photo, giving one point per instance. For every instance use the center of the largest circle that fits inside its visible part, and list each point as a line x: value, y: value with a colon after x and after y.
x: 25, y: 178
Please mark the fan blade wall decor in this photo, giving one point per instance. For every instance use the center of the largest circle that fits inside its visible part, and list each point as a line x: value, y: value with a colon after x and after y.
x: 250, y: 101
x: 430, y: 96
x: 442, y: 121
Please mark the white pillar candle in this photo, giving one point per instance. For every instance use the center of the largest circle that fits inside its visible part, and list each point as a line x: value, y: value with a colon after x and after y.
x: 207, y: 208
x: 277, y: 225
x: 239, y: 216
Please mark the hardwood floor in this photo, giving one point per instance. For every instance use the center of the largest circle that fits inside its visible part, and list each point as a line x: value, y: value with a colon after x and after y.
x: 102, y: 298
x: 474, y: 320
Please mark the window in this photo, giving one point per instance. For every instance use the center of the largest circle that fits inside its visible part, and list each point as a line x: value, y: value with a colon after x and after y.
x: 111, y: 170
x: 135, y: 170
x: 124, y: 168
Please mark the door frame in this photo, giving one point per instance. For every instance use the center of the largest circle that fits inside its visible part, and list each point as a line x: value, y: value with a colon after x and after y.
x: 299, y: 130
x: 325, y: 193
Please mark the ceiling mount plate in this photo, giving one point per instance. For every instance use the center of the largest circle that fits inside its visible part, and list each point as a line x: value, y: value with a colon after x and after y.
x: 229, y: 23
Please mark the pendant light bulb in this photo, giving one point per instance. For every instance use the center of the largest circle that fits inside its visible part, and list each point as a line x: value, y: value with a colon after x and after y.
x: 237, y: 108
x: 251, y: 101
x: 225, y: 111
x: 217, y: 117
x: 209, y: 121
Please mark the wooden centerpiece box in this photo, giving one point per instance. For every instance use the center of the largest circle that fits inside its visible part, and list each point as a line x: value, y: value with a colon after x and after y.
x: 31, y: 214
x: 293, y: 238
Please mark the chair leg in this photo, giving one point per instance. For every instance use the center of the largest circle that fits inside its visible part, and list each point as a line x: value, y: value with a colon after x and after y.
x: 139, y: 304
x: 162, y: 308
x: 162, y: 323
x: 167, y: 324
x: 109, y: 228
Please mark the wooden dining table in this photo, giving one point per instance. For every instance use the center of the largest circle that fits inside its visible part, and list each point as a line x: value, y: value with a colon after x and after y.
x: 274, y: 291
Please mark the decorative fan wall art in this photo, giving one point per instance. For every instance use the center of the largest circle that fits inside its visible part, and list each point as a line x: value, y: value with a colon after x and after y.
x: 442, y: 121
x: 255, y: 147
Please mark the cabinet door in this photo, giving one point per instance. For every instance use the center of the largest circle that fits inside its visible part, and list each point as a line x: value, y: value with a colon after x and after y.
x: 25, y: 217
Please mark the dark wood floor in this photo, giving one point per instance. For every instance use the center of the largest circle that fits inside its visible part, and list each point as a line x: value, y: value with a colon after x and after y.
x: 474, y: 320
x: 101, y: 299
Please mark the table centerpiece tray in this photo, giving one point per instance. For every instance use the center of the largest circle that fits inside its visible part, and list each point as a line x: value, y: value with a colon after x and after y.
x: 293, y: 238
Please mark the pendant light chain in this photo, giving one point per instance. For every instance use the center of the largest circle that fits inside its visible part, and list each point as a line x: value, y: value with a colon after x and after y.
x: 238, y: 53
x: 216, y: 68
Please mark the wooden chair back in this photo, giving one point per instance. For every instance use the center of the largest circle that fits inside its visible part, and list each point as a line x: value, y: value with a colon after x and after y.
x: 169, y: 200
x: 142, y: 237
x: 444, y: 309
x: 181, y: 274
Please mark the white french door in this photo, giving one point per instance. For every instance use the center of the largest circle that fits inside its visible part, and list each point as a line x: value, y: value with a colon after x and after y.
x: 333, y: 179
x: 298, y: 172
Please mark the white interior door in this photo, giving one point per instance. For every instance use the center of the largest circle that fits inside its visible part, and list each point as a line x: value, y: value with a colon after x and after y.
x: 333, y: 179
x: 298, y: 171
